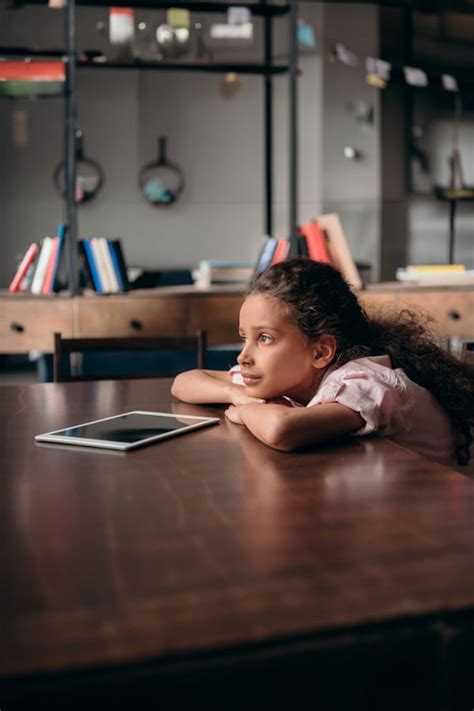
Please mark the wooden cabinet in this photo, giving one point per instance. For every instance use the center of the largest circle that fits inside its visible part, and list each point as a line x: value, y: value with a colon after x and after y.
x: 124, y: 315
x: 452, y: 308
x: 452, y: 311
x: 28, y: 322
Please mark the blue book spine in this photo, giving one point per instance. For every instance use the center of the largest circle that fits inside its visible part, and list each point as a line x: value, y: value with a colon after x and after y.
x: 267, y: 254
x: 61, y: 236
x: 93, y: 267
x: 116, y: 265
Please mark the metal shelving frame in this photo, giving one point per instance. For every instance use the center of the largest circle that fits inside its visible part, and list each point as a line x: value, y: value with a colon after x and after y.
x: 259, y: 8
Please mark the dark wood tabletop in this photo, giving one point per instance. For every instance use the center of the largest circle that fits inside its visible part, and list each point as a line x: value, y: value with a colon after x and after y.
x: 210, y: 541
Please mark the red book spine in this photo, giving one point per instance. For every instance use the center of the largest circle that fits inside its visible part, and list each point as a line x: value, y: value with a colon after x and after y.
x: 281, y: 251
x: 27, y: 260
x: 316, y: 241
x: 47, y: 287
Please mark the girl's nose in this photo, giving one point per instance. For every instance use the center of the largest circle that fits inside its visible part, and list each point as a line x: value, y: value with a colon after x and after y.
x: 244, y: 355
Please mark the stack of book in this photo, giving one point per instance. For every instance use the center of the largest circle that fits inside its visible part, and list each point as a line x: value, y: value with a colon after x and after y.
x: 39, y: 269
x: 213, y: 271
x: 102, y: 266
x: 322, y: 240
x: 433, y: 274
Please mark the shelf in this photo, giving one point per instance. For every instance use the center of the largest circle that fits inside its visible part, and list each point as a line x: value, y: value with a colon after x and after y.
x: 193, y: 66
x: 196, y: 65
x: 258, y: 9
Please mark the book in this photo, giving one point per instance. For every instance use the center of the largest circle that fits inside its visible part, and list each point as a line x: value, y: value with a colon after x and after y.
x: 86, y: 279
x: 114, y: 287
x: 266, y: 254
x: 217, y: 274
x: 223, y: 264
x: 61, y: 236
x: 222, y: 272
x: 435, y: 268
x: 316, y: 242
x: 338, y: 249
x: 25, y: 264
x: 121, y: 263
x: 465, y: 276
x: 27, y: 280
x: 91, y: 261
x: 48, y: 276
x: 281, y: 251
x: 43, y: 260
x: 115, y: 264
x: 100, y: 265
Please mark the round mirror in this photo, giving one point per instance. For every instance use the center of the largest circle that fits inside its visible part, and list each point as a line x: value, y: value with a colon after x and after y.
x: 161, y: 181
x: 89, y: 174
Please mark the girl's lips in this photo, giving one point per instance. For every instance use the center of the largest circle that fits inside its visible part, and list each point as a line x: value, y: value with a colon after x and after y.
x: 250, y: 379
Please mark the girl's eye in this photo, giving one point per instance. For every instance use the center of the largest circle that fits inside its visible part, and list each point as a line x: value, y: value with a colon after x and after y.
x: 265, y: 339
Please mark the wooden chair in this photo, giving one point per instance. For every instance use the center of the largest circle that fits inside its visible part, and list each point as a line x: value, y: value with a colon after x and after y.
x: 64, y: 347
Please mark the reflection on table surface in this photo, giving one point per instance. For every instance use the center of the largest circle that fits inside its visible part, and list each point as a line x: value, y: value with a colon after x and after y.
x: 210, y: 539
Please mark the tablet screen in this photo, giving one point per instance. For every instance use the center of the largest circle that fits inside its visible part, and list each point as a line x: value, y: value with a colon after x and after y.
x: 128, y: 430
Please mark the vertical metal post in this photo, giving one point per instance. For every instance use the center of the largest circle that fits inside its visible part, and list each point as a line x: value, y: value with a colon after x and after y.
x: 70, y: 148
x: 409, y: 94
x: 452, y: 229
x: 293, y: 126
x: 268, y: 119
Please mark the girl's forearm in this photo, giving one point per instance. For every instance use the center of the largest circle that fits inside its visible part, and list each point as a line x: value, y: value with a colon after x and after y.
x: 200, y: 386
x: 288, y: 429
x: 269, y: 423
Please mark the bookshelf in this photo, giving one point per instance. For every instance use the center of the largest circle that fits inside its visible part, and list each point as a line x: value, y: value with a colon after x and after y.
x: 268, y: 10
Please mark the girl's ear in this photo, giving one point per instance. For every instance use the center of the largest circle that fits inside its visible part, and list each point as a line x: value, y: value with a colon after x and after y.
x: 324, y: 350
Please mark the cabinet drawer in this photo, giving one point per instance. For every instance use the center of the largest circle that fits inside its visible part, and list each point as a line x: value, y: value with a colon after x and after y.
x: 453, y: 311
x: 129, y: 316
x: 377, y: 301
x: 218, y: 315
x: 29, y: 323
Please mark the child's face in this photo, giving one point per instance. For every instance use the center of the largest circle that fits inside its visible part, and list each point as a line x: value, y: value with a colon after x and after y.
x: 275, y: 359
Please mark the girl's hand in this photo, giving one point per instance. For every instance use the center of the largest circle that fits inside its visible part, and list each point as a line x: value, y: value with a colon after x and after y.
x: 233, y: 414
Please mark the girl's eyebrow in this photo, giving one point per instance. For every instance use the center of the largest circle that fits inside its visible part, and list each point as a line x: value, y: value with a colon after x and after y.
x: 264, y: 328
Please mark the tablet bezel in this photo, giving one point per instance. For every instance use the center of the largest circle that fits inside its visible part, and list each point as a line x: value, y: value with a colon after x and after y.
x: 56, y: 438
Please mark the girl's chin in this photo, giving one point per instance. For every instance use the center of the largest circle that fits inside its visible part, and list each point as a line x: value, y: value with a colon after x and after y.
x: 260, y: 392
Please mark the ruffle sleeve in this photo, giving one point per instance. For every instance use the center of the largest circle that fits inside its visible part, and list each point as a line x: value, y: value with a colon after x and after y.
x: 236, y: 375
x: 371, y: 389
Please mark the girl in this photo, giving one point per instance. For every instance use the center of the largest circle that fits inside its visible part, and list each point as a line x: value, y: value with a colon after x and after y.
x: 315, y: 366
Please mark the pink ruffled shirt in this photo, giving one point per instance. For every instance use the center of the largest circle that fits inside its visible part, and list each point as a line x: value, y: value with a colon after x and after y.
x: 391, y: 405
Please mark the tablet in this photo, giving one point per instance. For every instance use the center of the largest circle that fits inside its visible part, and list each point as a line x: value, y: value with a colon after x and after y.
x: 127, y: 431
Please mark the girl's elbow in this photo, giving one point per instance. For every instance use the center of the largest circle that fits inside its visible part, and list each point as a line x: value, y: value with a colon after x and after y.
x: 175, y: 388
x: 179, y: 387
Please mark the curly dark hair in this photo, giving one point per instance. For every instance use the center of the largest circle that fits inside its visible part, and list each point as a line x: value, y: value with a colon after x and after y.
x: 319, y: 301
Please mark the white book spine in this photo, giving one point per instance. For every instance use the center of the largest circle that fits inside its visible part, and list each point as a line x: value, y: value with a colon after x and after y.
x: 113, y: 281
x: 43, y: 259
x: 100, y: 263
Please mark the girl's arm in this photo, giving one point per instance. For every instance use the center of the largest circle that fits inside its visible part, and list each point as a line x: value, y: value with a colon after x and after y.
x: 287, y: 428
x: 202, y: 386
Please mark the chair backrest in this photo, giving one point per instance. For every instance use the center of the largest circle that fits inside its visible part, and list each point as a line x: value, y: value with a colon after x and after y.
x: 467, y: 352
x: 64, y: 347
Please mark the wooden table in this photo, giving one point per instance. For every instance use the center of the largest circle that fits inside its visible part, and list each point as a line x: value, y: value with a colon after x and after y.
x: 210, y: 571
